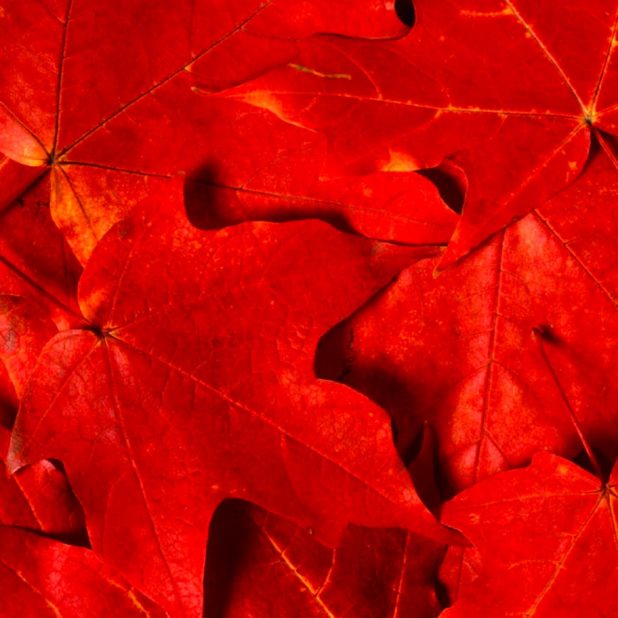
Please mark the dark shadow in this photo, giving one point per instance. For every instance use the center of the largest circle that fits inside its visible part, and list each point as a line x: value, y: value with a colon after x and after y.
x: 8, y: 413
x: 211, y: 204
x: 444, y: 598
x: 583, y: 461
x: 96, y: 329
x: 229, y: 540
x: 333, y: 361
x: 75, y: 539
x: 405, y: 11
x: 8, y: 399
x: 595, y: 146
x: 450, y: 182
x: 58, y: 465
x: 546, y: 333
x: 205, y: 199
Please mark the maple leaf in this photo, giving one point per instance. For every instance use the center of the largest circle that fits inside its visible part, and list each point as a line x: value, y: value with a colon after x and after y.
x: 35, y: 261
x: 262, y: 565
x: 458, y: 350
x: 110, y: 113
x: 182, y: 374
x: 193, y: 382
x: 24, y: 329
x: 38, y: 497
x: 14, y: 180
x: 511, y: 90
x: 41, y: 577
x: 392, y: 205
x: 547, y: 539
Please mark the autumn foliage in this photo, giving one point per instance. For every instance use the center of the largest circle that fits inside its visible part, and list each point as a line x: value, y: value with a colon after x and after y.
x: 308, y: 309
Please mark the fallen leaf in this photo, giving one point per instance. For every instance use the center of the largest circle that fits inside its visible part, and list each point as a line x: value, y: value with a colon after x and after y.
x: 40, y: 577
x: 24, y: 330
x: 196, y: 372
x: 510, y: 89
x: 261, y: 565
x: 547, y: 540
x: 458, y: 349
x: 193, y: 383
x: 35, y: 261
x: 384, y: 205
x: 83, y: 89
x: 38, y: 497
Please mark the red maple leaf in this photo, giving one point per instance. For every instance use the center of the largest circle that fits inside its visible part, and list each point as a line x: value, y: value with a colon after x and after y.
x: 290, y: 182
x: 511, y: 90
x: 458, y: 350
x: 170, y: 367
x: 42, y: 577
x: 193, y: 382
x: 107, y: 108
x: 38, y: 497
x: 35, y: 261
x: 547, y: 539
x: 262, y: 565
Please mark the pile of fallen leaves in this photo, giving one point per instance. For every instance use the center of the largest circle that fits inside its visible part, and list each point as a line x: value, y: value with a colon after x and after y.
x: 308, y: 308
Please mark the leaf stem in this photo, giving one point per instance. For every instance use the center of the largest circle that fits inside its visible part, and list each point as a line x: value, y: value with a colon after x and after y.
x: 540, y: 335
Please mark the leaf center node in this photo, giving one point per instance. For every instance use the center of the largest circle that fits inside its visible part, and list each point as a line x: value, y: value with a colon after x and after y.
x: 97, y: 330
x: 590, y: 117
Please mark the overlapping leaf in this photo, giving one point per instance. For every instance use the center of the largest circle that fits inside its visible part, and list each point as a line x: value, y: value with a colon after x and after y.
x: 107, y: 109
x: 290, y: 182
x: 492, y: 84
x: 44, y: 578
x: 35, y: 261
x: 556, y: 529
x: 194, y: 383
x: 458, y: 350
x: 182, y: 374
x: 261, y: 565
x: 38, y: 498
x: 264, y: 566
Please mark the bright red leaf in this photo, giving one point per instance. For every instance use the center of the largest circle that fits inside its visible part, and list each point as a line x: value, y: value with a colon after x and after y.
x: 43, y: 578
x: 14, y: 180
x: 548, y: 542
x: 390, y: 205
x: 261, y: 565
x: 35, y: 261
x: 458, y: 349
x: 24, y: 330
x: 38, y: 497
x: 510, y: 89
x: 194, y: 383
x: 170, y: 366
x: 106, y: 108
x: 264, y: 566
